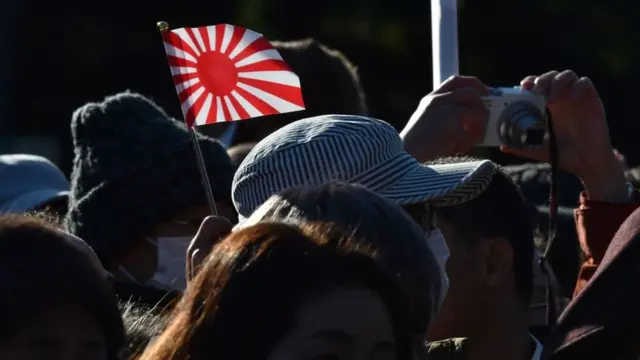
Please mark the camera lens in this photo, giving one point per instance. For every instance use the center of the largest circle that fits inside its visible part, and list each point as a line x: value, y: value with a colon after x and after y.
x: 534, y: 137
x: 522, y: 124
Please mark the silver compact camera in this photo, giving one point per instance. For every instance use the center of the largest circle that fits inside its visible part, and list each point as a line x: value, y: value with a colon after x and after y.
x: 517, y: 118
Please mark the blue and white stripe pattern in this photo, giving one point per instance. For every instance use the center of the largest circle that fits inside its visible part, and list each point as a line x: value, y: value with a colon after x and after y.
x: 353, y: 149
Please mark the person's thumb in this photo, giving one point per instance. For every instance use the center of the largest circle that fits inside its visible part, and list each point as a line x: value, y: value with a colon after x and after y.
x: 465, y: 96
x: 212, y: 229
x: 213, y: 226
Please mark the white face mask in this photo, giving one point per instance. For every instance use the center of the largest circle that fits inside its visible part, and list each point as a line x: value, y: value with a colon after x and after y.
x: 171, y: 271
x: 172, y: 255
x: 440, y: 251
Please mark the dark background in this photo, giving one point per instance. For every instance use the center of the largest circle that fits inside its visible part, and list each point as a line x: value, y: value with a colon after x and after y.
x: 58, y: 55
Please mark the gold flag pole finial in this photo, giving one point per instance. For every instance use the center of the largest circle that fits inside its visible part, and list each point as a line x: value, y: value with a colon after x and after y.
x: 162, y: 26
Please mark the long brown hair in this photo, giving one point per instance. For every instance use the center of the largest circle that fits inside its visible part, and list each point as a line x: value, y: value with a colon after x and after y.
x: 243, y: 300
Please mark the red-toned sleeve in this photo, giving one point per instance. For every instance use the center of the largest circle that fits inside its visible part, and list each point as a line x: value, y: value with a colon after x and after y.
x: 596, y: 223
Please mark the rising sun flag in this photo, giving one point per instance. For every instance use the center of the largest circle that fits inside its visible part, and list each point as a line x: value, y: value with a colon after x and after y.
x: 226, y: 73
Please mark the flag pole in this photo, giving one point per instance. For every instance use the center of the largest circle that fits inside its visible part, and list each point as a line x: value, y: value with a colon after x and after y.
x: 203, y: 171
x: 163, y: 27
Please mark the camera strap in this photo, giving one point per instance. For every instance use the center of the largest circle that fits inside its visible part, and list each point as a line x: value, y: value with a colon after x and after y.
x: 544, y: 264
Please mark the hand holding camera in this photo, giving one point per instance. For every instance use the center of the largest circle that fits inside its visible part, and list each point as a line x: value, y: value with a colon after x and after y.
x: 463, y: 112
x: 212, y: 229
x: 581, y: 131
x: 579, y: 121
x: 449, y: 120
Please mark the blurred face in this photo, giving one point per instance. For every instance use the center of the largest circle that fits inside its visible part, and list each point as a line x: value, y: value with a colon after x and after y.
x: 458, y: 306
x: 478, y: 271
x: 345, y: 324
x: 61, y: 333
x: 164, y: 267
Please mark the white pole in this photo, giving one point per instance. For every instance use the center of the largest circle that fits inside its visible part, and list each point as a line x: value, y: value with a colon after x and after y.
x: 444, y: 40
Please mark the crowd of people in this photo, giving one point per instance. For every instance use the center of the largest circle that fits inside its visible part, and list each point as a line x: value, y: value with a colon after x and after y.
x: 336, y: 237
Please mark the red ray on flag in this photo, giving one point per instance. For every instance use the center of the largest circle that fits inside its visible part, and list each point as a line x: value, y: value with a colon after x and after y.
x: 226, y: 73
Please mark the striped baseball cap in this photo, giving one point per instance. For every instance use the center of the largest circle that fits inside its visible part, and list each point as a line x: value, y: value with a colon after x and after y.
x: 353, y: 149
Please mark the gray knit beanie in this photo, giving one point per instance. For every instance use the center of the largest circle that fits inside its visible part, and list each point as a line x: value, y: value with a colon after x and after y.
x: 134, y: 168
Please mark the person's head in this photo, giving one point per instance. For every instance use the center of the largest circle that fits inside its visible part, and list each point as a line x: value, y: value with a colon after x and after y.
x: 491, y: 263
x: 402, y: 247
x: 32, y: 183
x: 329, y: 82
x: 55, y: 298
x: 136, y: 191
x: 279, y: 291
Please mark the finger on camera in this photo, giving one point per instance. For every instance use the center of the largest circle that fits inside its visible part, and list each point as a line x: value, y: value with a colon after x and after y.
x: 458, y: 81
x: 464, y: 96
x: 528, y: 82
x: 561, y: 85
x: 446, y: 100
x: 581, y: 87
x: 477, y: 111
x: 543, y: 83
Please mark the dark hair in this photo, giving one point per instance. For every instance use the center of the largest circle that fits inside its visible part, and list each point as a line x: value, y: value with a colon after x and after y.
x: 242, y: 301
x: 330, y: 85
x: 142, y: 324
x: 48, y: 217
x: 375, y: 222
x: 39, y: 268
x: 500, y: 211
x: 56, y: 208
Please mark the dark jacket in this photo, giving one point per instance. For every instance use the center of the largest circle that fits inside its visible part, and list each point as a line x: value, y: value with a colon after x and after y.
x: 603, y: 320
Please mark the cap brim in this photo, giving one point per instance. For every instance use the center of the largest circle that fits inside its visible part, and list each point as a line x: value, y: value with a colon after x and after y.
x: 443, y: 184
x: 32, y: 200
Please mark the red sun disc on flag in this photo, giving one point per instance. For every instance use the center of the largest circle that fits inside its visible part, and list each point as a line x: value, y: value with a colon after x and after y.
x: 225, y: 73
